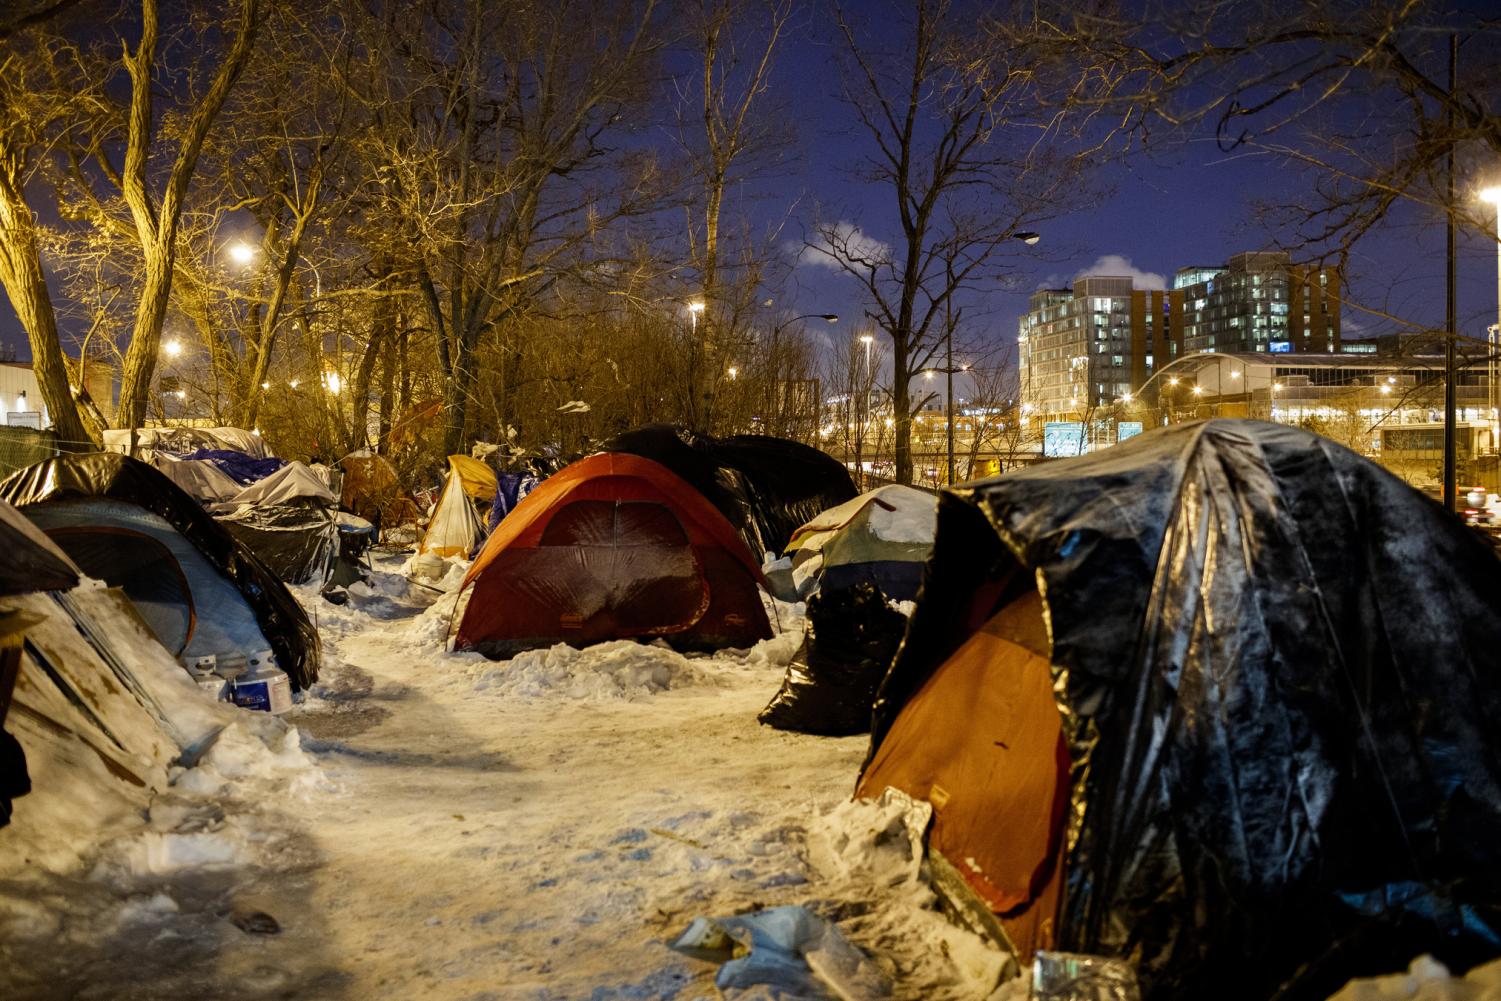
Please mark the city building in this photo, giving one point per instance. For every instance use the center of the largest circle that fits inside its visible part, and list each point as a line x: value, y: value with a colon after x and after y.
x: 1100, y: 341
x: 1259, y: 301
x: 1084, y: 347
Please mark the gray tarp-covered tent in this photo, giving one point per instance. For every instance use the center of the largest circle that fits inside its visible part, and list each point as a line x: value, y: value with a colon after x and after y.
x: 1273, y: 673
x: 193, y: 582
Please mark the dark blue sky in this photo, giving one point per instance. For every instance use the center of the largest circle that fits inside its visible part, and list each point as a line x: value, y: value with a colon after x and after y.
x: 1180, y: 205
x: 1188, y: 203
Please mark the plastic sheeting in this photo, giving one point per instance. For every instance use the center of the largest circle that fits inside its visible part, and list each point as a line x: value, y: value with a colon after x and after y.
x: 186, y: 439
x: 766, y: 487
x: 199, y: 479
x: 107, y: 474
x: 832, y: 680
x: 32, y: 561
x: 1279, y: 671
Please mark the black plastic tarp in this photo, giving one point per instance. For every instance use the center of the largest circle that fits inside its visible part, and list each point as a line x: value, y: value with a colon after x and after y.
x: 297, y: 540
x: 108, y: 474
x: 766, y: 487
x: 1279, y: 670
x: 832, y: 680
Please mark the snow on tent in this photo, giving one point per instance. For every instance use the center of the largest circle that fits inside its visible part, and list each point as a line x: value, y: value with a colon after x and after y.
x: 456, y: 527
x: 1219, y: 701
x: 765, y: 487
x: 200, y: 590
x: 882, y: 537
x: 612, y: 547
x: 32, y: 563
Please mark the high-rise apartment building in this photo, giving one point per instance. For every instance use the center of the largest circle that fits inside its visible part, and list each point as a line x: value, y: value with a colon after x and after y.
x: 1101, y: 340
x: 1259, y: 301
x: 1086, y: 346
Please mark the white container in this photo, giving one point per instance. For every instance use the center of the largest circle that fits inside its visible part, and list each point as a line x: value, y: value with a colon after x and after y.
x: 267, y: 690
x: 261, y: 660
x: 213, y: 685
x: 200, y: 667
x: 230, y: 666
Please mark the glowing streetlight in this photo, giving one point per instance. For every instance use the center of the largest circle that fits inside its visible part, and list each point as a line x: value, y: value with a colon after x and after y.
x: 332, y: 382
x: 1125, y: 397
x: 172, y: 348
x: 1198, y: 390
x: 292, y: 384
x: 1173, y: 381
x: 1235, y: 373
x: 265, y: 385
x: 1493, y: 195
x: 734, y: 371
x: 1386, y: 390
x: 241, y: 253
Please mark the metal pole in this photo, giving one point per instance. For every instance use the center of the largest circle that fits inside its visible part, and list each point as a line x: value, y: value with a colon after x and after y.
x: 949, y: 365
x: 1495, y: 343
x: 1449, y: 304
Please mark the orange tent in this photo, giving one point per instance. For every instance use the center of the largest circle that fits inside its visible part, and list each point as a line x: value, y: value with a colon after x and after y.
x: 613, y: 546
x: 1009, y: 760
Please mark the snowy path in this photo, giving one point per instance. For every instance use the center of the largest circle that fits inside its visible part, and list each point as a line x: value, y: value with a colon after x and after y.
x: 485, y: 846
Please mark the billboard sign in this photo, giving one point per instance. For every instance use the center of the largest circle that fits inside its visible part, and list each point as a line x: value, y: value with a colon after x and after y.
x: 1062, y: 438
x: 1127, y: 429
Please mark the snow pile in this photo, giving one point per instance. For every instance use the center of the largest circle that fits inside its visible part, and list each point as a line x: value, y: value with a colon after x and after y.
x: 908, y: 519
x: 872, y: 852
x: 1427, y: 980
x: 255, y: 755
x: 617, y: 670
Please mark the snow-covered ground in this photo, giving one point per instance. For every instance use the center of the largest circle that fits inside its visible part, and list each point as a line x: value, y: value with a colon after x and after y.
x: 440, y: 826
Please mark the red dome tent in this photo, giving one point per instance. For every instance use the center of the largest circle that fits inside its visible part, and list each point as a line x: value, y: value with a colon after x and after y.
x: 613, y: 547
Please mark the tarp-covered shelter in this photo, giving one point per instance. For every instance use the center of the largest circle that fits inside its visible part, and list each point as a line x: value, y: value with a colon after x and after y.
x: 199, y: 588
x: 200, y: 479
x: 1221, y: 701
x: 455, y: 526
x: 372, y: 490
x: 831, y: 681
x: 182, y: 440
x: 765, y: 487
x: 613, y: 547
x: 288, y: 519
x: 882, y: 537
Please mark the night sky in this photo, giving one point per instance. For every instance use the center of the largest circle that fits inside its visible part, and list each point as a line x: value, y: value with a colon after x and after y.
x: 1185, y: 204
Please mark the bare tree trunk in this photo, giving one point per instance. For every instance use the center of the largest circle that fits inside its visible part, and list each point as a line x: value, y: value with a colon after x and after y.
x: 157, y: 226
x: 21, y: 274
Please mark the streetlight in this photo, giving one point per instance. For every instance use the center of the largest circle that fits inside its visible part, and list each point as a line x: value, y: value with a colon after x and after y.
x: 241, y: 253
x: 733, y: 371
x: 867, y: 340
x: 1493, y: 195
x: 172, y: 348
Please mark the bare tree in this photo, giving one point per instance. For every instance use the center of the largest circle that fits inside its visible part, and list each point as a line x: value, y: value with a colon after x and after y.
x: 968, y: 168
x: 735, y: 41
x: 34, y: 110
x: 161, y: 154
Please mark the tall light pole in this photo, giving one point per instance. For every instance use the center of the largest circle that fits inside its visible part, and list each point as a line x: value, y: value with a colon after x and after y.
x: 698, y: 395
x: 867, y: 340
x: 1493, y: 195
x: 817, y: 395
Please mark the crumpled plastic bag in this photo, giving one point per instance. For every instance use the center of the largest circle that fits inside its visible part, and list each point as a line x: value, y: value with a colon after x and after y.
x: 783, y: 954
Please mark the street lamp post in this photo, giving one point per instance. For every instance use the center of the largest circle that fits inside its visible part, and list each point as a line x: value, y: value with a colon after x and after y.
x: 776, y: 332
x: 867, y: 340
x: 1493, y: 195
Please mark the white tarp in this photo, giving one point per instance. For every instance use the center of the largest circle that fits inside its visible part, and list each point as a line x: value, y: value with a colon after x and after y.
x: 455, y: 526
x: 185, y: 439
x: 294, y: 481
